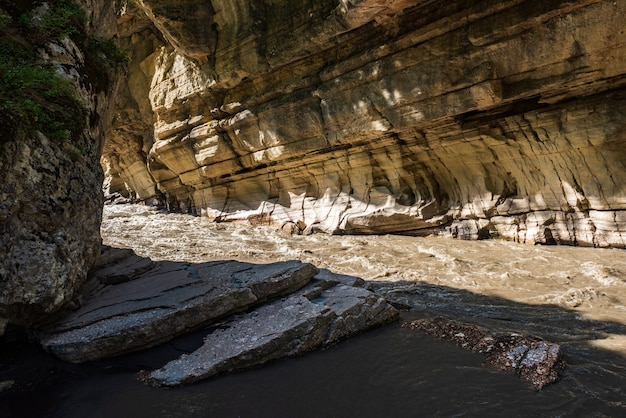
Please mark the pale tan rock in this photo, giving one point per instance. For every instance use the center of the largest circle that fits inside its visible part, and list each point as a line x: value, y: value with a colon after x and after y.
x: 130, y: 135
x: 187, y: 27
x: 470, y: 120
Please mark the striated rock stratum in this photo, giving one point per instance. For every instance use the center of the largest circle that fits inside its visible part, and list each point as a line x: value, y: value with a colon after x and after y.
x: 468, y: 119
x: 256, y: 312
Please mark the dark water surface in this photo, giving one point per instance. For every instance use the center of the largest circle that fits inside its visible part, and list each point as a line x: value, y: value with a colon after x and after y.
x: 575, y: 297
x: 387, y: 372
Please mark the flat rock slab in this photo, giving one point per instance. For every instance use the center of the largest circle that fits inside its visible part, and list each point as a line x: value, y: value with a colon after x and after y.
x: 319, y: 315
x: 532, y: 359
x: 120, y: 265
x: 168, y: 300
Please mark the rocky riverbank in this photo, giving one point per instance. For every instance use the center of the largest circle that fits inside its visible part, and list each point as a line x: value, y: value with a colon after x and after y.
x: 284, y: 306
x: 251, y: 313
x: 569, y: 296
x: 259, y: 312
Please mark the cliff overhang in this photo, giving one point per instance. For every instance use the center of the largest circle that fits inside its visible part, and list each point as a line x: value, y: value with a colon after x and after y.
x: 364, y: 117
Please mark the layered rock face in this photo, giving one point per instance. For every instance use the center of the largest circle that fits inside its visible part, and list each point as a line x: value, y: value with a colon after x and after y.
x: 50, y: 194
x: 250, y: 314
x: 476, y: 120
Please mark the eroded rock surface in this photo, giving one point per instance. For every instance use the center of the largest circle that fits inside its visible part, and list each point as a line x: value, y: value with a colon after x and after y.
x: 146, y: 303
x: 168, y: 300
x: 534, y: 360
x: 50, y: 189
x: 317, y: 316
x: 472, y: 120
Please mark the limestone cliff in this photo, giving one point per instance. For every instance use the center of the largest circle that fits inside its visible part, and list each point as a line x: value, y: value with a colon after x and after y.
x: 471, y: 119
x: 56, y: 78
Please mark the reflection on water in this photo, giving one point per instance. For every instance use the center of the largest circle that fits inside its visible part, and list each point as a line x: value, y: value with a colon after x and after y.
x: 572, y: 296
x: 388, y: 372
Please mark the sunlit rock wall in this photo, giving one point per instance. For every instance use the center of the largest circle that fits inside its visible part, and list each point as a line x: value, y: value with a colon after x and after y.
x: 470, y: 119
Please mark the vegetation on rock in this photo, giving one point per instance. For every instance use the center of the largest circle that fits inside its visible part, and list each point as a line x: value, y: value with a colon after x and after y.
x: 33, y: 95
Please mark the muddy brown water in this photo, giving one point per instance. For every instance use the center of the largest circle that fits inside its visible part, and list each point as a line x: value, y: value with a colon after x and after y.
x: 573, y: 296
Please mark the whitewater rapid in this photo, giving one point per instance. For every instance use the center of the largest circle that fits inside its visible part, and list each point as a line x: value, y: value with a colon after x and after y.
x: 588, y: 282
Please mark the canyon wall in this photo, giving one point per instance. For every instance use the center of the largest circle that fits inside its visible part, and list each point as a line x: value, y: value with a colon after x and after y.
x: 50, y: 194
x: 470, y: 119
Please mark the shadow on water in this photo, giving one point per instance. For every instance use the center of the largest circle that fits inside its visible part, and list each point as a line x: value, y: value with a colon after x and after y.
x: 552, y: 322
x: 389, y: 371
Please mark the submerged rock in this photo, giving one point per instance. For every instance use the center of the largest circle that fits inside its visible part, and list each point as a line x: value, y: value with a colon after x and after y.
x: 168, y: 300
x: 314, y: 317
x: 532, y: 359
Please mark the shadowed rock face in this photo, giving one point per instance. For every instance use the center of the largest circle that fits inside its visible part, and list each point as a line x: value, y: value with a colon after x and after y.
x: 471, y: 120
x: 50, y: 189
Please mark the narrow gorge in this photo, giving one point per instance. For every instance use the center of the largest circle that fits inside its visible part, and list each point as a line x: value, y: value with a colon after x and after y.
x: 473, y: 121
x: 356, y: 125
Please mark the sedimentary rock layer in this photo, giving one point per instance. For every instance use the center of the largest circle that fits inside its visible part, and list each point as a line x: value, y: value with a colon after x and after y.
x: 296, y: 308
x: 168, y: 300
x: 317, y: 316
x: 472, y: 119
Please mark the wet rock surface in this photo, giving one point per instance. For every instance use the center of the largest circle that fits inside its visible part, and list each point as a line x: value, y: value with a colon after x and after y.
x: 534, y: 360
x: 314, y: 317
x: 133, y: 303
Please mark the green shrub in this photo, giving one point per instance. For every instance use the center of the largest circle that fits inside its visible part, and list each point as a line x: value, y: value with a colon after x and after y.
x: 66, y: 18
x: 35, y: 97
x: 32, y: 95
x: 62, y: 18
x: 107, y: 50
x: 5, y: 19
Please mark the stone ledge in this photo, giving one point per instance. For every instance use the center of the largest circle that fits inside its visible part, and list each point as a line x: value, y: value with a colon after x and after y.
x: 168, y: 300
x: 312, y: 318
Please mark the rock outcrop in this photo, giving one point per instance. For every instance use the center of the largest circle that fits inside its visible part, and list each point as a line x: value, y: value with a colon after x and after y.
x: 532, y: 359
x: 320, y: 315
x: 168, y: 300
x: 472, y: 120
x: 132, y: 303
x: 50, y: 188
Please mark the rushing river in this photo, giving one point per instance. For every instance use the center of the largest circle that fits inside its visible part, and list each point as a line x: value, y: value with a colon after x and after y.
x: 573, y: 296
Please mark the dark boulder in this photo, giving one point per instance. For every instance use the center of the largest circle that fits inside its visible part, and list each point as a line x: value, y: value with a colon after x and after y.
x: 534, y: 360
